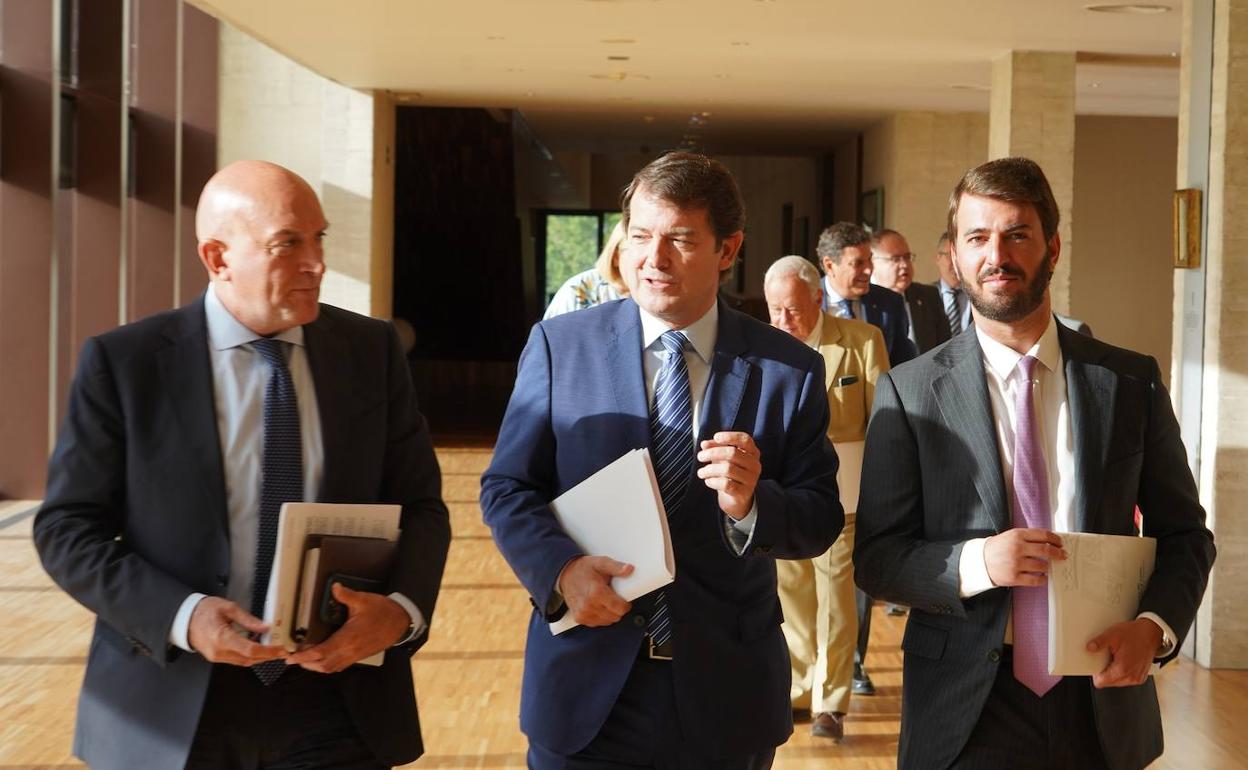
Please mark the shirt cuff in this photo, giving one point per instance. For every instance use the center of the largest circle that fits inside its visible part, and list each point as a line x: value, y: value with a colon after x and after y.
x: 179, y: 632
x: 418, y: 618
x: 972, y: 571
x: 1167, y: 634
x: 741, y: 532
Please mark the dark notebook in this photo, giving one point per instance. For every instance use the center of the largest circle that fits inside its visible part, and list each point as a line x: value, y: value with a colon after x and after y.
x: 359, y: 563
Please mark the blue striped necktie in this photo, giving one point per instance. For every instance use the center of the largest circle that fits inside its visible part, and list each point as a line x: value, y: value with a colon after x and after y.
x: 672, y: 451
x: 847, y: 308
x: 282, y: 478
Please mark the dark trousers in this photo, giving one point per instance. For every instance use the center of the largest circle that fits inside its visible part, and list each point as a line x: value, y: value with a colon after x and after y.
x: 642, y: 732
x: 865, y: 603
x: 298, y: 723
x: 1021, y: 731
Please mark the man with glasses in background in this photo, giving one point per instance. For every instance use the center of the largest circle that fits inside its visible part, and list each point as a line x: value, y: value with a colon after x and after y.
x: 894, y: 269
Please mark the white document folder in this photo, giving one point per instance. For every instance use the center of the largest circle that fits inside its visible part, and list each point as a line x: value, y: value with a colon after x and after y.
x: 617, y: 512
x: 1099, y: 584
x: 298, y: 520
x: 849, y: 472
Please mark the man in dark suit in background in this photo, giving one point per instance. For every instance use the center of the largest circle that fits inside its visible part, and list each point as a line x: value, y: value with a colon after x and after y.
x: 894, y: 269
x: 695, y: 675
x: 185, y: 432
x: 978, y: 456
x: 844, y: 252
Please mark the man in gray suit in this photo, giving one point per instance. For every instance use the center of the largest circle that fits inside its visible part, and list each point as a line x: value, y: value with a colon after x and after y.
x: 1055, y: 432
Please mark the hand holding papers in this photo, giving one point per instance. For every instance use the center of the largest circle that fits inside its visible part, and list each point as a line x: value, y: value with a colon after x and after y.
x: 1099, y: 584
x: 617, y: 512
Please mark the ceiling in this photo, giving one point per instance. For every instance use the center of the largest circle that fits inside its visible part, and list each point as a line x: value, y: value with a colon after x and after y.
x: 771, y: 75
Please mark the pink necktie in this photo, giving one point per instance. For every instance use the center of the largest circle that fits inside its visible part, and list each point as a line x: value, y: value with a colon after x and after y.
x: 1031, y: 509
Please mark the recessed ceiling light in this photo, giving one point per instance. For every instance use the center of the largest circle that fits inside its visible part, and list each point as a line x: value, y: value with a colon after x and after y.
x: 618, y: 58
x: 1136, y: 8
x: 1096, y: 85
x: 619, y: 76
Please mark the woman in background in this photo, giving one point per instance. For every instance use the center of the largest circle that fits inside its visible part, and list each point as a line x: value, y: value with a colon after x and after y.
x: 601, y: 283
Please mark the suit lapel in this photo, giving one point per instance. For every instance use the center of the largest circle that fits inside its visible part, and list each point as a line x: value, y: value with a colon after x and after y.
x: 185, y: 370
x: 962, y: 396
x: 329, y: 357
x: 623, y: 360
x: 1090, y: 390
x: 729, y: 375
x: 832, y: 353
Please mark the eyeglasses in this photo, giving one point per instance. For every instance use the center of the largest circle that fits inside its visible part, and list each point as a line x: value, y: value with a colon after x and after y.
x: 896, y: 259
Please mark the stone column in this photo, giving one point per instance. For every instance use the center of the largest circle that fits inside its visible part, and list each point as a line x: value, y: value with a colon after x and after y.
x: 1211, y: 346
x: 1033, y: 115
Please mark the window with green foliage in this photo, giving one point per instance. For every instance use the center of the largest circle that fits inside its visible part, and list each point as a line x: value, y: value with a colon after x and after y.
x: 573, y: 241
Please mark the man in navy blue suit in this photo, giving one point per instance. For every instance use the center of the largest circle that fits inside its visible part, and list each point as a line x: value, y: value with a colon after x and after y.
x: 844, y: 252
x: 695, y: 675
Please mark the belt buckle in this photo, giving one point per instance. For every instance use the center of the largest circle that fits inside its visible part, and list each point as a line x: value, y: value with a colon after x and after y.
x: 653, y: 652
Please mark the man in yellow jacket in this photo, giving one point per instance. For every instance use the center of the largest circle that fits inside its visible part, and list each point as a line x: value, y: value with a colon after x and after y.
x: 817, y: 595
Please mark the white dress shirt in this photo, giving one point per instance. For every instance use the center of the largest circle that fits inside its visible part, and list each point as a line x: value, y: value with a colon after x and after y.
x: 240, y: 376
x: 702, y: 335
x: 1052, y: 409
x: 832, y: 300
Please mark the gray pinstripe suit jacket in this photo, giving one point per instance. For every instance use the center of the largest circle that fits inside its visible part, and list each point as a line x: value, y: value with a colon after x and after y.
x: 932, y: 480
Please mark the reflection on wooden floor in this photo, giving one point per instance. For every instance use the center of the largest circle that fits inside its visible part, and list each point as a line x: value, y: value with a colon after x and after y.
x: 468, y: 675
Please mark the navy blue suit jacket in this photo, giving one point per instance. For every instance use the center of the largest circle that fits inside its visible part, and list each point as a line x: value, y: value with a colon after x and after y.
x: 578, y: 404
x: 887, y: 310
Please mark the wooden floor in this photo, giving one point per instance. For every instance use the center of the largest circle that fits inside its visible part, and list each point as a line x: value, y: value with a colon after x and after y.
x: 468, y: 675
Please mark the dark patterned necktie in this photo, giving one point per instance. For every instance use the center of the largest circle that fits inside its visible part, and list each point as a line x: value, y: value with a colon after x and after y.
x: 282, y: 476
x: 1031, y: 509
x: 671, y: 450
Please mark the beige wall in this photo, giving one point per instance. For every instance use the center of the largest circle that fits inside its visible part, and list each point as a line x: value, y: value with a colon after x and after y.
x: 1123, y: 283
x: 275, y: 109
x: 917, y: 157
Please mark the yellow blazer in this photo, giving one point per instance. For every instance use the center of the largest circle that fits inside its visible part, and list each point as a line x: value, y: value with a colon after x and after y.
x: 851, y: 349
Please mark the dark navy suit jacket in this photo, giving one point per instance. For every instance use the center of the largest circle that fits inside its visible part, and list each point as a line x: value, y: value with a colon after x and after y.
x: 578, y: 404
x: 887, y: 310
x: 135, y: 520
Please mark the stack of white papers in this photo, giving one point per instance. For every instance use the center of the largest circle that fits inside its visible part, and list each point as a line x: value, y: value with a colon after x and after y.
x: 617, y: 512
x: 1099, y: 584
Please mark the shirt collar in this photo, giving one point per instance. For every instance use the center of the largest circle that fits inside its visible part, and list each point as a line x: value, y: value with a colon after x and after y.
x: 944, y: 287
x: 833, y: 296
x: 1003, y: 360
x: 817, y: 333
x: 225, y: 331
x: 702, y: 333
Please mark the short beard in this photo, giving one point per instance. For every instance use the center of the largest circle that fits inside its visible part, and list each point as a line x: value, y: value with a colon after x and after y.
x: 1018, y: 307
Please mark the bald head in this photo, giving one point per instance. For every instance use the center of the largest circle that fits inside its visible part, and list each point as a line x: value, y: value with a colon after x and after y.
x: 260, y: 228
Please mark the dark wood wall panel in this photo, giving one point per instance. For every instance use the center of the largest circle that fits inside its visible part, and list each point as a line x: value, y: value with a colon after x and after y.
x: 26, y: 92
x: 152, y: 236
x: 457, y: 263
x: 68, y: 267
x: 200, y: 33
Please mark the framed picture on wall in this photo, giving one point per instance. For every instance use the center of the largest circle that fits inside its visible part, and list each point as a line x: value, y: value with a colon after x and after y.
x: 871, y: 203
